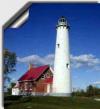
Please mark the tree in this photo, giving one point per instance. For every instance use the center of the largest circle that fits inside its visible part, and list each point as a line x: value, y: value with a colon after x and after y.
x: 9, y: 62
x: 12, y: 84
x: 79, y: 93
x: 90, y: 90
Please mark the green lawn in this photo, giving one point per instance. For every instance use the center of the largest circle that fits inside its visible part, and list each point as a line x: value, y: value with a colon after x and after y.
x: 52, y: 103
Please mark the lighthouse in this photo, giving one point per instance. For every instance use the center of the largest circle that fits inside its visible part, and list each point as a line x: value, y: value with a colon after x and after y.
x: 62, y: 76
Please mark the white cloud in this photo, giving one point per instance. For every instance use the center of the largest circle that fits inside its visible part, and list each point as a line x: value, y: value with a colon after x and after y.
x: 85, y: 60
x: 37, y: 60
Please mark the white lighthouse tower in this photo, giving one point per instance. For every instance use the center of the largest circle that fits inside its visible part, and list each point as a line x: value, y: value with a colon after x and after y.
x: 62, y: 76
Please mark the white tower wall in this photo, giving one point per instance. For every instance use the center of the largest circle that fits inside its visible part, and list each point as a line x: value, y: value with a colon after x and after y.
x: 62, y: 77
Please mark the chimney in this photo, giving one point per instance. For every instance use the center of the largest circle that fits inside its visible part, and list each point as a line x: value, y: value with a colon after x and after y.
x: 30, y: 66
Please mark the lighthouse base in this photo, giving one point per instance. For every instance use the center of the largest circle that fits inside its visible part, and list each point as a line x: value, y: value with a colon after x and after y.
x: 61, y: 94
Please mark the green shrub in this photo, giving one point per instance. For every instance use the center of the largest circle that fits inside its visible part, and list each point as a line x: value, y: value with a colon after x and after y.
x: 10, y: 97
x: 6, y: 103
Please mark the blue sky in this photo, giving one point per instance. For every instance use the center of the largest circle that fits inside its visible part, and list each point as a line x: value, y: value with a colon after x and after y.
x: 35, y: 40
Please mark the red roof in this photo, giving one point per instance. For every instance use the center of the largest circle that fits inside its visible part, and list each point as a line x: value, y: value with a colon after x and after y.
x: 34, y: 73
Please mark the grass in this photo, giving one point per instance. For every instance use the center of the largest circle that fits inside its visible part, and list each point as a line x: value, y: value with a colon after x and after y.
x: 47, y: 102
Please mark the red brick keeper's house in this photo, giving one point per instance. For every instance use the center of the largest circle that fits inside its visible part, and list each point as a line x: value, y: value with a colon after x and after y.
x: 36, y: 81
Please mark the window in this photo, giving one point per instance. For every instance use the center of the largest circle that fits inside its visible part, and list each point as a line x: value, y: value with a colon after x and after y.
x: 58, y: 45
x: 48, y: 75
x: 63, y: 20
x: 67, y: 65
x: 26, y: 85
x: 43, y: 77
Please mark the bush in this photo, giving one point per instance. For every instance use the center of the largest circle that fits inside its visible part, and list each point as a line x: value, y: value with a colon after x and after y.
x: 6, y: 103
x: 11, y: 97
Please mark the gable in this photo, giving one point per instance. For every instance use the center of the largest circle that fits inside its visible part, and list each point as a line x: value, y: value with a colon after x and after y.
x: 46, y: 77
x: 34, y: 73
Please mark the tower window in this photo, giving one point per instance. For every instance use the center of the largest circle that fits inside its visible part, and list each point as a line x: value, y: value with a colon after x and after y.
x: 67, y: 65
x: 58, y: 45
